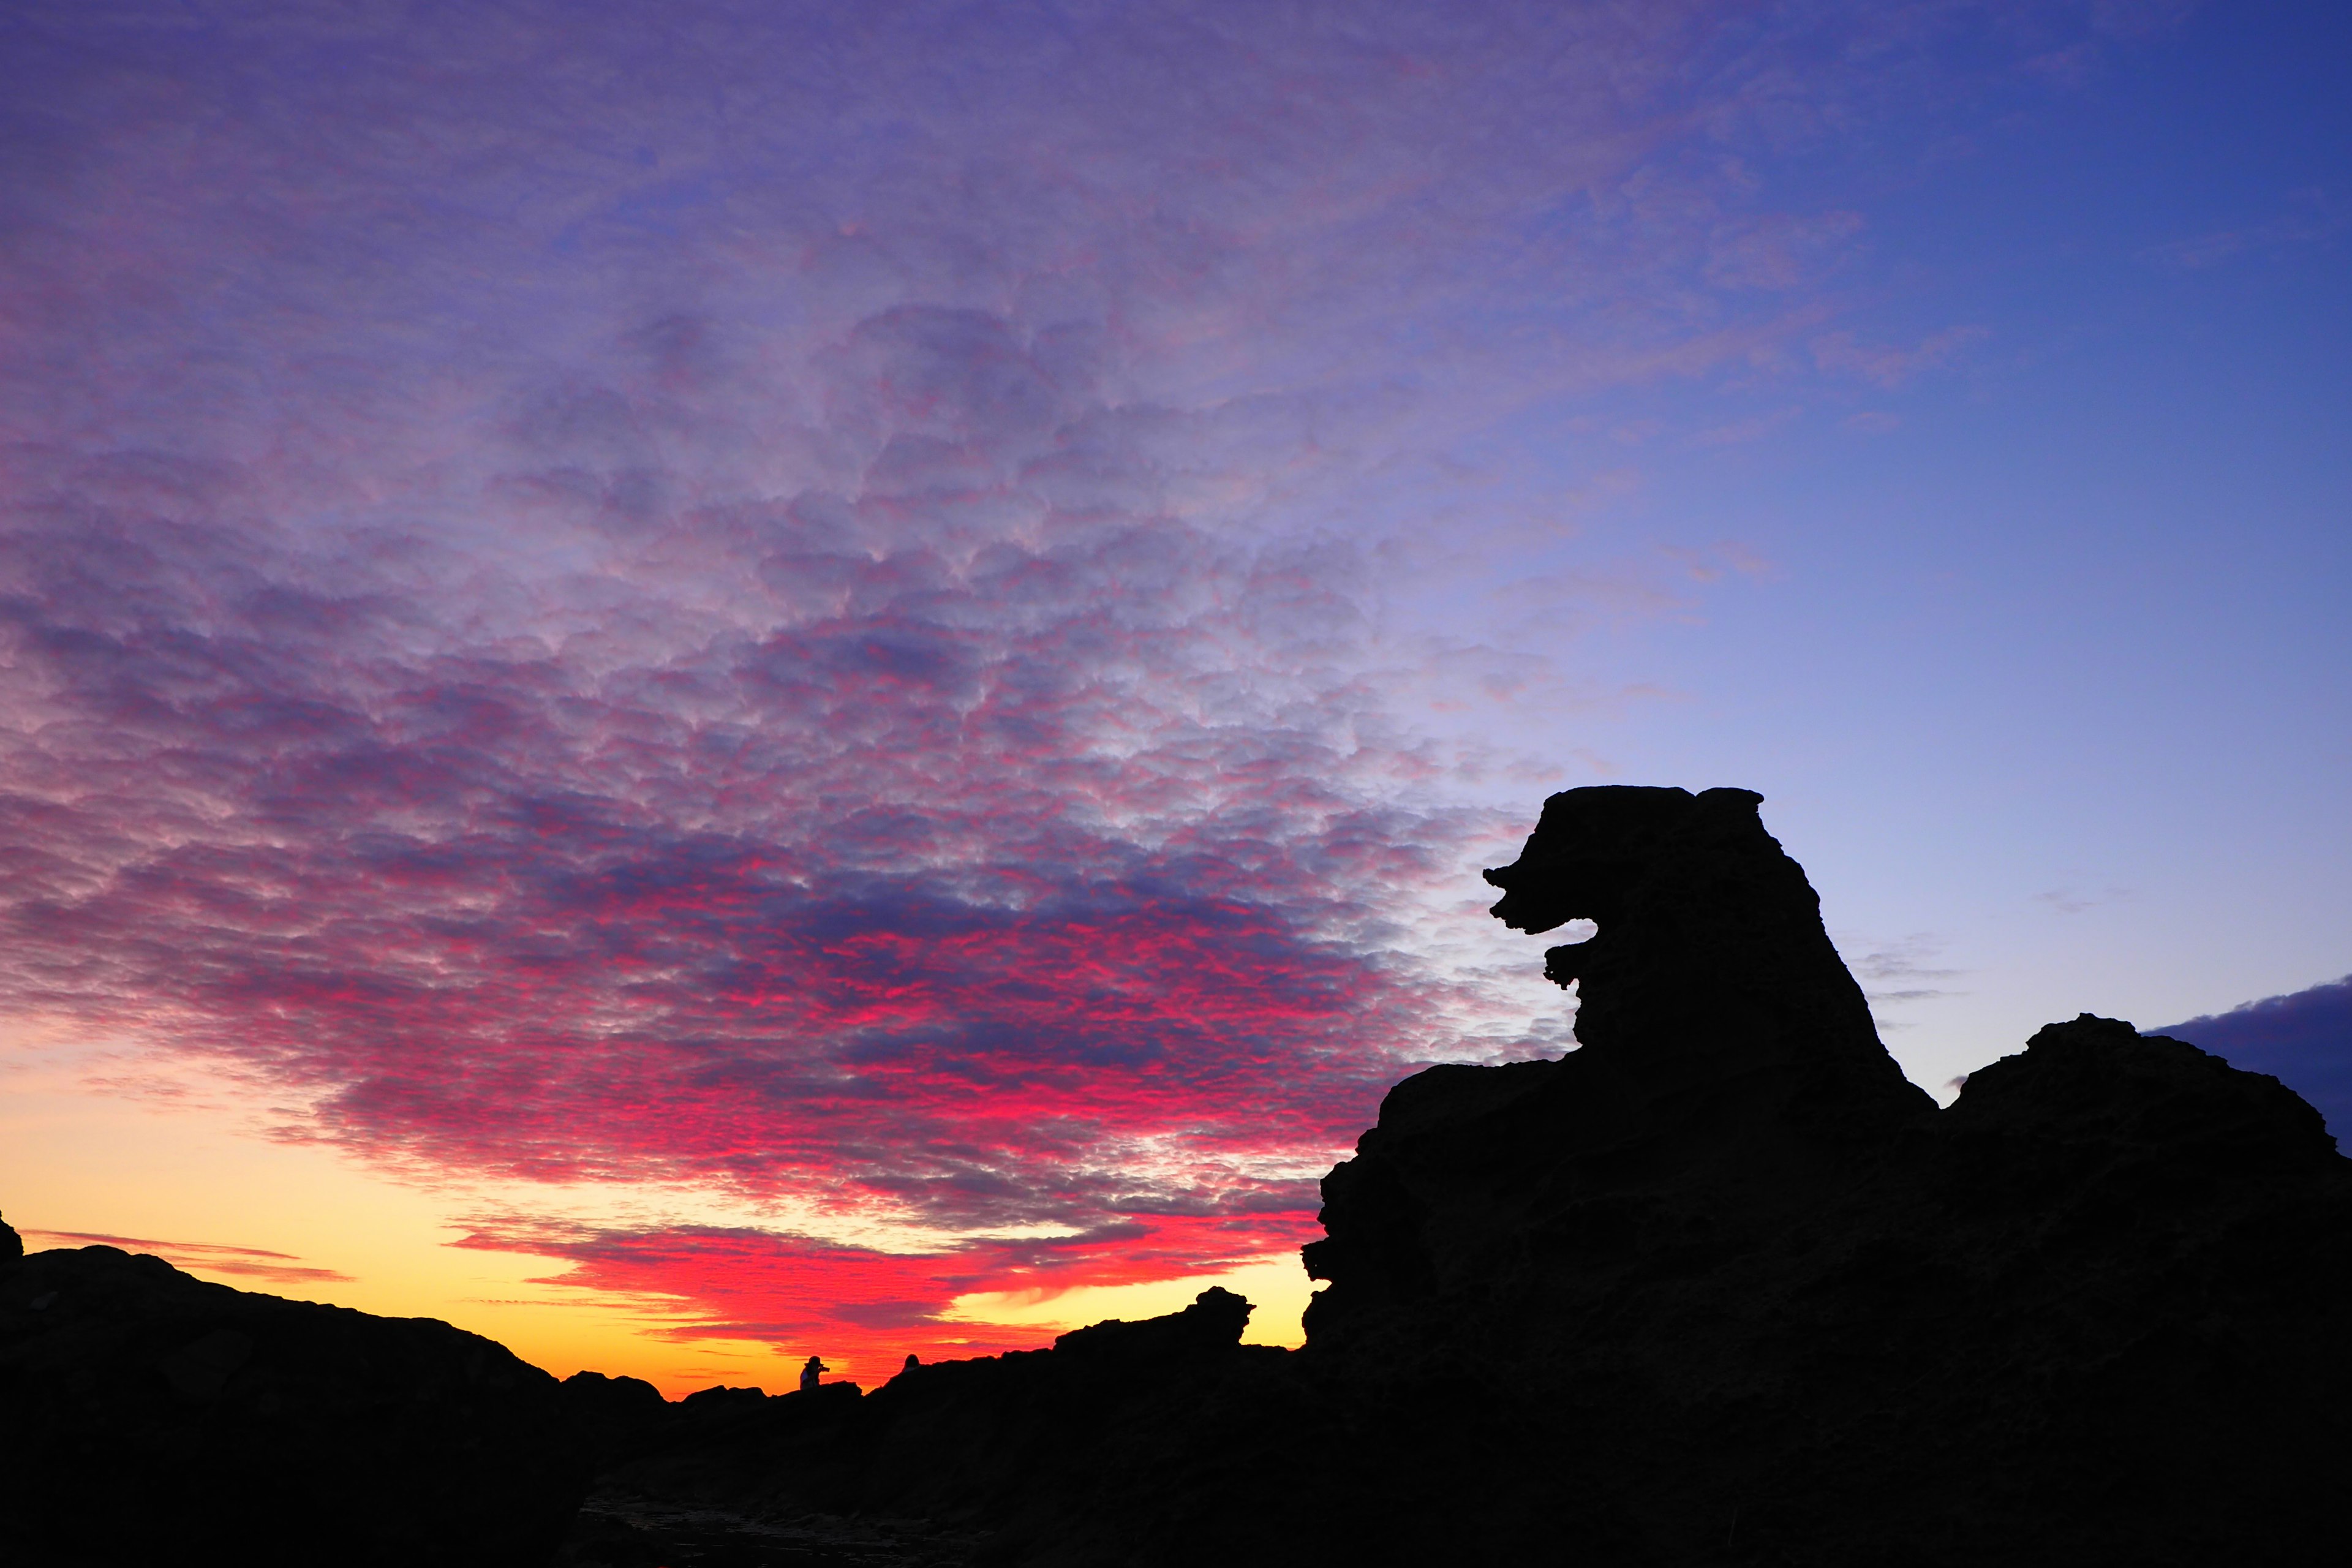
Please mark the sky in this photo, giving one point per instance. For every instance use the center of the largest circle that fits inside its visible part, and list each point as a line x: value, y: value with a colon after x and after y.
x: 701, y: 683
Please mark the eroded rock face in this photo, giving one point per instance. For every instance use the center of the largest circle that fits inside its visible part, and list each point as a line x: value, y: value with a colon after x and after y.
x: 146, y: 1415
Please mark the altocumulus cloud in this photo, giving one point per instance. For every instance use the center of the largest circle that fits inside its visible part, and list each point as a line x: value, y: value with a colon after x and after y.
x: 958, y: 872
x: 790, y: 601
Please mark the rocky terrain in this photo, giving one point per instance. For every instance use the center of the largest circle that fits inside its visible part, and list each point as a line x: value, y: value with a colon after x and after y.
x: 1720, y: 1287
x: 147, y: 1416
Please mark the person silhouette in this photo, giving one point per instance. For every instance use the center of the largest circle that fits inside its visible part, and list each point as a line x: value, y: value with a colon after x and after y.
x: 913, y: 1361
x: 809, y: 1374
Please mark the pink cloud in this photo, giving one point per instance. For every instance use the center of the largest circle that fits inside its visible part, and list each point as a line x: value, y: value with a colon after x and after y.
x: 281, y: 1269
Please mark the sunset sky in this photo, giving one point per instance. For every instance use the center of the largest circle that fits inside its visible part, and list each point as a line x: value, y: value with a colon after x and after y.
x: 695, y: 683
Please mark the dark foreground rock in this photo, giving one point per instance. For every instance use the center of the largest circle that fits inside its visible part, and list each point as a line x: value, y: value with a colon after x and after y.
x: 991, y: 1460
x: 147, y: 1416
x: 1718, y: 1287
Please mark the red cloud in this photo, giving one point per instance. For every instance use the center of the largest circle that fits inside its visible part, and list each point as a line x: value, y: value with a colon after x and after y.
x: 278, y: 1268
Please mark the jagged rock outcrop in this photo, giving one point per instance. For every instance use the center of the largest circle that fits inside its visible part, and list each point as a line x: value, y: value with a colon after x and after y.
x: 148, y: 1416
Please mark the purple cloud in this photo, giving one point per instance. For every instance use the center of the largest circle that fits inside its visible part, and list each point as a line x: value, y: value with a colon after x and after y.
x: 2303, y: 1039
x: 809, y: 603
x: 281, y: 1269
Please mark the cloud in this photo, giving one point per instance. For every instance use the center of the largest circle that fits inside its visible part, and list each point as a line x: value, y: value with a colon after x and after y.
x: 2074, y: 901
x: 2139, y: 18
x: 2303, y: 1038
x: 2113, y: 24
x: 804, y: 605
x: 1889, y: 365
x: 2314, y: 220
x: 949, y: 856
x: 959, y: 835
x: 280, y: 1269
x: 863, y: 1309
x: 1779, y: 250
x: 1738, y: 432
x: 1715, y: 561
x: 1036, y: 822
x: 1895, y: 973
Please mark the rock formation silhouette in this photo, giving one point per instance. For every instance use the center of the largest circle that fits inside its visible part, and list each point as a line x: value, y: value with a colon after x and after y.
x: 1727, y: 1059
x: 1751, y: 1298
x: 1719, y: 1287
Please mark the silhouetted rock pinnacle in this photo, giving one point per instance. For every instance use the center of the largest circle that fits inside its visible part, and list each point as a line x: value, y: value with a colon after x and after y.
x: 1726, y: 1057
x: 1709, y: 970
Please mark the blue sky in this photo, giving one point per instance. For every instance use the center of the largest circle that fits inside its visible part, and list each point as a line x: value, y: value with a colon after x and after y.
x: 2045, y: 677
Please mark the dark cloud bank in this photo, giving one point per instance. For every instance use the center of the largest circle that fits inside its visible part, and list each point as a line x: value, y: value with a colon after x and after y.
x: 2303, y: 1039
